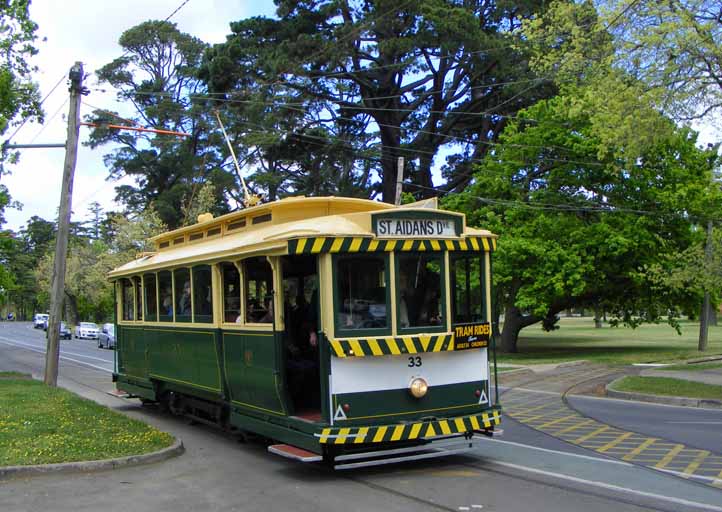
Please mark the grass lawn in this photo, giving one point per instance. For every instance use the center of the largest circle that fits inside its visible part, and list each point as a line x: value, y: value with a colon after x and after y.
x: 42, y: 425
x: 669, y: 387
x: 578, y: 339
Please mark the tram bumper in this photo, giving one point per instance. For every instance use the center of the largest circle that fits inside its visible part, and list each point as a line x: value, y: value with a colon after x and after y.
x: 359, y: 446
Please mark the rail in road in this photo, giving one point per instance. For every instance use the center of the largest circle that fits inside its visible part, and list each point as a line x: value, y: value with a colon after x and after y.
x: 542, y: 405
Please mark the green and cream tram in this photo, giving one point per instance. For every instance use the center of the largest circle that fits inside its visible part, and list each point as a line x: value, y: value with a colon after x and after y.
x: 344, y: 329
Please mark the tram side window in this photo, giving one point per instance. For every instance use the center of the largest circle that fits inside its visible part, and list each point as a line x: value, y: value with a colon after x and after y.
x: 151, y: 305
x: 202, y: 296
x: 419, y: 290
x: 138, y: 298
x: 259, y: 290
x: 361, y: 293
x: 467, y: 283
x: 127, y: 299
x: 165, y: 289
x: 231, y: 293
x: 182, y: 290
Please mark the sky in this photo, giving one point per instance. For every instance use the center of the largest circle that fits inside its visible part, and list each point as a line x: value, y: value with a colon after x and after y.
x: 88, y: 31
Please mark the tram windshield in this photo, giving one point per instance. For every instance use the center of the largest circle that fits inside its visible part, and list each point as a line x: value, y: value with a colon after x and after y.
x: 362, y: 300
x: 419, y: 290
x: 467, y: 283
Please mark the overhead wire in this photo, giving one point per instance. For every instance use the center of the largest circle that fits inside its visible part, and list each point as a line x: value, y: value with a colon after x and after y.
x: 50, y: 120
x: 25, y: 120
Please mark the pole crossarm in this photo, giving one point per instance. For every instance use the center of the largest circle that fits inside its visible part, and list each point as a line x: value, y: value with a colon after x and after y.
x: 136, y: 129
x: 32, y: 146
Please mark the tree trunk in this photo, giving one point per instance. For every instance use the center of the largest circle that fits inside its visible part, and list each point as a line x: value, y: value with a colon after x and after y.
x: 510, y: 333
x: 597, y: 319
x: 712, y: 315
x: 390, y: 142
x: 704, y: 314
x: 514, y: 322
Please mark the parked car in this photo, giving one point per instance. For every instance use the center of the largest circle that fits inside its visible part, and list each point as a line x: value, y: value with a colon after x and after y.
x: 106, y: 337
x: 65, y: 333
x: 39, y: 320
x: 86, y: 330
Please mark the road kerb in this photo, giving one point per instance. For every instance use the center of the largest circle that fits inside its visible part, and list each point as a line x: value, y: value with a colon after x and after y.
x: 661, y: 399
x: 94, y: 465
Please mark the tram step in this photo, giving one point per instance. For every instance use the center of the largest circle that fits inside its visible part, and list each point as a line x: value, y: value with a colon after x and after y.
x: 294, y: 452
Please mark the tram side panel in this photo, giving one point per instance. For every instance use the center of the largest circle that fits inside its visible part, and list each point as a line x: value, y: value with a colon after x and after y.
x: 251, y: 369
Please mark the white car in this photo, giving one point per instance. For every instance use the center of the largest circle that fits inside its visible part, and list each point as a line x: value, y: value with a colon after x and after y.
x: 86, y: 330
x: 39, y: 320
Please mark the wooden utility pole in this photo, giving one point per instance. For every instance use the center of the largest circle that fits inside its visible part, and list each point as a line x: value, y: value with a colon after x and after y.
x: 399, y: 179
x: 61, y: 247
x: 704, y: 317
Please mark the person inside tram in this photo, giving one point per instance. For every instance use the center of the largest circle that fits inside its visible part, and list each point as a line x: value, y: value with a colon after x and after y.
x: 184, y: 303
x: 301, y: 322
x: 167, y: 301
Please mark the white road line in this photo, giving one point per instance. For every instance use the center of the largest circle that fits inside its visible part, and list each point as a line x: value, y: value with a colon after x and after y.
x: 637, y: 403
x: 610, y: 487
x: 34, y: 349
x: 62, y: 351
x: 595, y: 459
x: 696, y: 422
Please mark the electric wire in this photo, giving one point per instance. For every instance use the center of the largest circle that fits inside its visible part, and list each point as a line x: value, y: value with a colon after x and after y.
x: 25, y: 120
x: 50, y: 120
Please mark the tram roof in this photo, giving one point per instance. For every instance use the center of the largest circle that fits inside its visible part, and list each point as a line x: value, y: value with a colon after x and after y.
x: 266, y: 229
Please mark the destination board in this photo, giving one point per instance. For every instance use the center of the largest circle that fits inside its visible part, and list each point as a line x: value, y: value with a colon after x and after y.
x: 416, y: 228
x: 472, y: 336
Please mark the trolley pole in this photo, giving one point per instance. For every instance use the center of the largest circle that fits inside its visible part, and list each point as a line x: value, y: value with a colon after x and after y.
x: 399, y: 179
x: 61, y: 247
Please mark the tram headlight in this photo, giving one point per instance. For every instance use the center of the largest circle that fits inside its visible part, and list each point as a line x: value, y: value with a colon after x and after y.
x: 418, y: 387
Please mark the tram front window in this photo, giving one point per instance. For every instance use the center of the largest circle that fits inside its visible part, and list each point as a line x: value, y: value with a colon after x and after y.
x: 362, y: 300
x: 419, y: 290
x: 467, y: 284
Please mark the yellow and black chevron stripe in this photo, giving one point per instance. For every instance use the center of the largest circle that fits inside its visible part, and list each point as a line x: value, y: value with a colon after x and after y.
x: 385, y: 345
x: 409, y: 431
x: 315, y: 245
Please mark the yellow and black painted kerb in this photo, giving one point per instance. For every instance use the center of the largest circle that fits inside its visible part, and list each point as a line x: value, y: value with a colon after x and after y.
x: 392, y: 345
x: 409, y: 431
x: 315, y: 245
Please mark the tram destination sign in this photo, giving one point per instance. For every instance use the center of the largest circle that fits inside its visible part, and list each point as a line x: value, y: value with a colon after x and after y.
x: 416, y: 228
x: 470, y: 336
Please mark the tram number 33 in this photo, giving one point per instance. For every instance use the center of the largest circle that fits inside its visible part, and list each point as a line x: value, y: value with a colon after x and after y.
x: 414, y: 361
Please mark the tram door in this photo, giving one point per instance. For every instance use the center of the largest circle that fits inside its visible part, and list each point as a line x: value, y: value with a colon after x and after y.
x: 301, y: 323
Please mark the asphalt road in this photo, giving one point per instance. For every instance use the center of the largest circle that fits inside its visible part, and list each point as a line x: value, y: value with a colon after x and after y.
x: 526, y: 471
x: 695, y: 427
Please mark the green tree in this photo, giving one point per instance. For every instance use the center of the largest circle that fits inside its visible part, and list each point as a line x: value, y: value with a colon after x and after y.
x: 18, y: 94
x: 423, y: 75
x: 675, y: 47
x: 576, y: 229
x: 157, y: 75
x: 88, y: 294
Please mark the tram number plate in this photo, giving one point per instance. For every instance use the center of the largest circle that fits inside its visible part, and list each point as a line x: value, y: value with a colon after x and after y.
x: 469, y: 336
